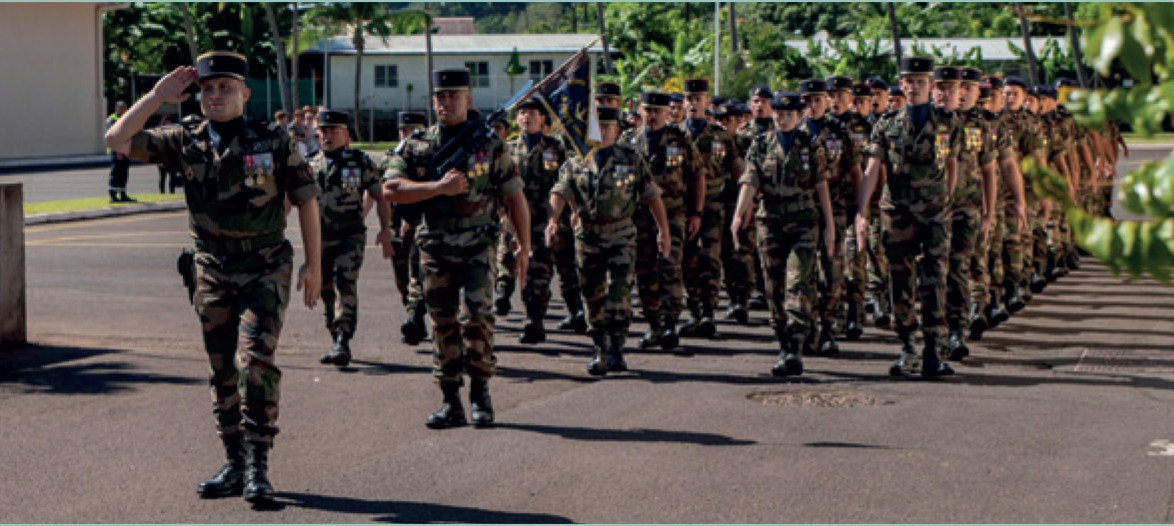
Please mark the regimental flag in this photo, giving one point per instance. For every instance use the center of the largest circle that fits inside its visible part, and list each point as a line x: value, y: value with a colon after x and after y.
x: 567, y: 94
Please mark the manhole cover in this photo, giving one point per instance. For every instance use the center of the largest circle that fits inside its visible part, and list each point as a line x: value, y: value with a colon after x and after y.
x: 818, y: 399
x: 1126, y: 361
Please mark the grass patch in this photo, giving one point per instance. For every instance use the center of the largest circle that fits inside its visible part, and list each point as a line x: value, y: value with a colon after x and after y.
x: 1157, y: 138
x: 374, y: 147
x: 93, y: 203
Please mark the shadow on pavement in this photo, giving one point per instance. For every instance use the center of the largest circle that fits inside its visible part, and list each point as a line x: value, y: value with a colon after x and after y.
x: 46, y: 369
x: 415, y: 512
x: 844, y: 445
x: 630, y: 435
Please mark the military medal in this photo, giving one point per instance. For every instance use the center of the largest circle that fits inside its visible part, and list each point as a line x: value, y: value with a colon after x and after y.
x: 249, y: 171
x: 806, y: 157
x: 673, y: 156
x: 973, y: 138
x: 550, y: 160
x: 942, y: 148
x: 719, y: 150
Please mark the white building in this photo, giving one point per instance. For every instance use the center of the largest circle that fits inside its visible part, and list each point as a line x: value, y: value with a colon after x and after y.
x: 393, y: 65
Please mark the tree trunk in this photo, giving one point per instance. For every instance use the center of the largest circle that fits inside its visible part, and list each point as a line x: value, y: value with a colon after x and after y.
x: 293, y: 64
x: 1032, y: 67
x: 685, y: 10
x: 358, y: 109
x: 1075, y: 43
x: 734, y: 36
x: 431, y: 112
x: 896, y: 33
x: 282, y: 78
x: 187, y: 25
x: 603, y: 36
x: 575, y: 17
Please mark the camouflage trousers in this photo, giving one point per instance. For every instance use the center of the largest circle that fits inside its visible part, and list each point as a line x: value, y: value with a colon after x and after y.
x: 739, y: 266
x: 831, y: 269
x: 536, y: 291
x: 878, y: 261
x: 702, y: 257
x: 562, y: 250
x: 659, y: 278
x: 986, y: 264
x: 856, y: 266
x: 1035, y: 246
x: 406, y: 267
x: 787, y: 249
x: 906, y: 236
x: 342, y: 259
x: 506, y: 279
x: 241, y: 301
x: 1012, y: 248
x: 1060, y: 242
x: 605, y: 256
x: 458, y: 274
x: 965, y: 229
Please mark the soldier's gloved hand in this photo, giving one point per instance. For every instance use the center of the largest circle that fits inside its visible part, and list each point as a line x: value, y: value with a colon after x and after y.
x: 384, y: 240
x: 665, y: 242
x: 454, y: 183
x: 551, y: 231
x: 694, y: 226
x: 310, y: 283
x: 861, y: 231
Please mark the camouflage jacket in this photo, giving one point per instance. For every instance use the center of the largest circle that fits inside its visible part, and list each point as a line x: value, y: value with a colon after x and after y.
x: 785, y: 181
x: 606, y: 194
x: 240, y: 193
x: 841, y: 155
x: 723, y: 164
x: 979, y: 147
x: 344, y: 178
x: 1058, y: 135
x: 673, y: 162
x: 470, y: 218
x: 539, y: 168
x: 746, y: 133
x: 917, y: 159
x: 859, y: 127
x: 1026, y: 137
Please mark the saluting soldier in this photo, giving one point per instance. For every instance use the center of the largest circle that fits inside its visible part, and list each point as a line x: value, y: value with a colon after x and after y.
x: 859, y: 124
x: 406, y: 255
x: 238, y: 175
x: 351, y: 186
x: 921, y: 146
x: 604, y: 190
x: 457, y: 240
x: 702, y: 254
x: 786, y: 175
x: 679, y: 172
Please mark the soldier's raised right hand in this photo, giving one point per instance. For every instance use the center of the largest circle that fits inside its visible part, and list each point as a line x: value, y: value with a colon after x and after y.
x: 454, y: 183
x: 171, y: 87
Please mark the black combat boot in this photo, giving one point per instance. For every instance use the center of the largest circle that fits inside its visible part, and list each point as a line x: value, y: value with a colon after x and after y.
x: 501, y: 300
x: 668, y: 338
x: 114, y: 197
x: 827, y: 340
x: 598, y: 365
x: 126, y: 198
x: 480, y: 404
x: 737, y: 310
x: 340, y: 354
x: 1051, y: 273
x: 689, y: 328
x: 810, y: 344
x: 652, y: 337
x: 978, y: 322
x: 956, y: 348
x: 932, y: 366
x: 413, y: 328
x: 535, y: 330
x: 1038, y: 284
x: 880, y: 314
x: 451, y: 412
x: 615, y: 354
x: 575, y: 320
x: 758, y: 302
x: 908, y: 363
x: 854, y: 330
x: 1059, y: 269
x: 258, y: 490
x: 230, y: 480
x: 995, y: 314
x: 1073, y: 260
x: 706, y: 328
x: 1013, y: 300
x: 790, y: 362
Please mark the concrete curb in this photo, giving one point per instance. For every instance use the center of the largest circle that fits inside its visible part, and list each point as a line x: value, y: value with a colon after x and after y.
x: 101, y: 213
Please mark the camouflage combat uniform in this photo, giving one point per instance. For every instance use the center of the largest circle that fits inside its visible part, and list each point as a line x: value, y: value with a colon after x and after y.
x: 702, y: 255
x: 457, y: 239
x: 1026, y: 137
x: 539, y: 167
x: 244, y: 264
x: 741, y: 270
x: 344, y: 176
x: 986, y: 265
x: 856, y: 260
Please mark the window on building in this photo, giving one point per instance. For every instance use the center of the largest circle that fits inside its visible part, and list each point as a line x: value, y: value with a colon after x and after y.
x: 478, y: 74
x: 387, y: 76
x: 539, y: 69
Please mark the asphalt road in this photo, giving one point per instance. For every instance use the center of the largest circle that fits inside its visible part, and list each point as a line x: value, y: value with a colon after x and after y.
x: 107, y: 417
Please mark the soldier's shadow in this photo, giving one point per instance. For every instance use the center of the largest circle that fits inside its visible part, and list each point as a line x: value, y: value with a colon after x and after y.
x: 630, y: 435
x: 48, y: 369
x: 408, y: 512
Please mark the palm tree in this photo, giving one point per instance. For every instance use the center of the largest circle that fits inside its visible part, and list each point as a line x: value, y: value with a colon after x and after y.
x: 187, y: 25
x: 282, y: 77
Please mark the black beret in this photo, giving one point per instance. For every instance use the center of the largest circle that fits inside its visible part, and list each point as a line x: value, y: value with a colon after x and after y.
x: 1048, y: 91
x: 222, y: 64
x: 787, y: 100
x: 861, y: 90
x: 696, y: 85
x: 839, y: 82
x: 812, y: 86
x: 760, y: 91
x: 744, y: 108
x: 971, y: 75
x: 412, y: 118
x: 895, y: 91
x: 916, y: 65
x: 450, y: 80
x: 533, y: 103
x: 1033, y: 91
x: 947, y: 74
x: 995, y: 81
x: 729, y: 109
x: 1014, y: 81
x: 1062, y: 81
x: 984, y: 92
x: 877, y: 83
x: 333, y: 118
x: 654, y: 99
x: 608, y: 114
x: 676, y: 97
x: 607, y: 89
x: 717, y: 101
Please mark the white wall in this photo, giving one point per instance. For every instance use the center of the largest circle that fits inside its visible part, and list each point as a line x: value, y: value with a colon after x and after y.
x: 49, y: 96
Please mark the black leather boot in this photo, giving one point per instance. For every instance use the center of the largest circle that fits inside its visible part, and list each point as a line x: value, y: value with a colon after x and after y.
x: 230, y: 480
x: 1013, y: 301
x: 689, y: 328
x: 932, y: 366
x: 615, y: 354
x: 652, y: 337
x: 598, y: 365
x: 668, y: 338
x: 114, y: 197
x: 126, y: 198
x: 451, y: 412
x: 413, y: 328
x: 827, y: 340
x: 501, y: 299
x: 1051, y: 273
x: 738, y: 311
x: 534, y: 331
x: 909, y: 362
x: 706, y: 328
x: 340, y: 354
x: 258, y: 490
x: 1038, y: 284
x: 1073, y: 260
x: 480, y: 404
x: 978, y: 322
x: 758, y: 302
x: 854, y: 330
x: 790, y: 362
x: 995, y: 315
x: 575, y: 320
x: 956, y: 349
x: 880, y: 315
